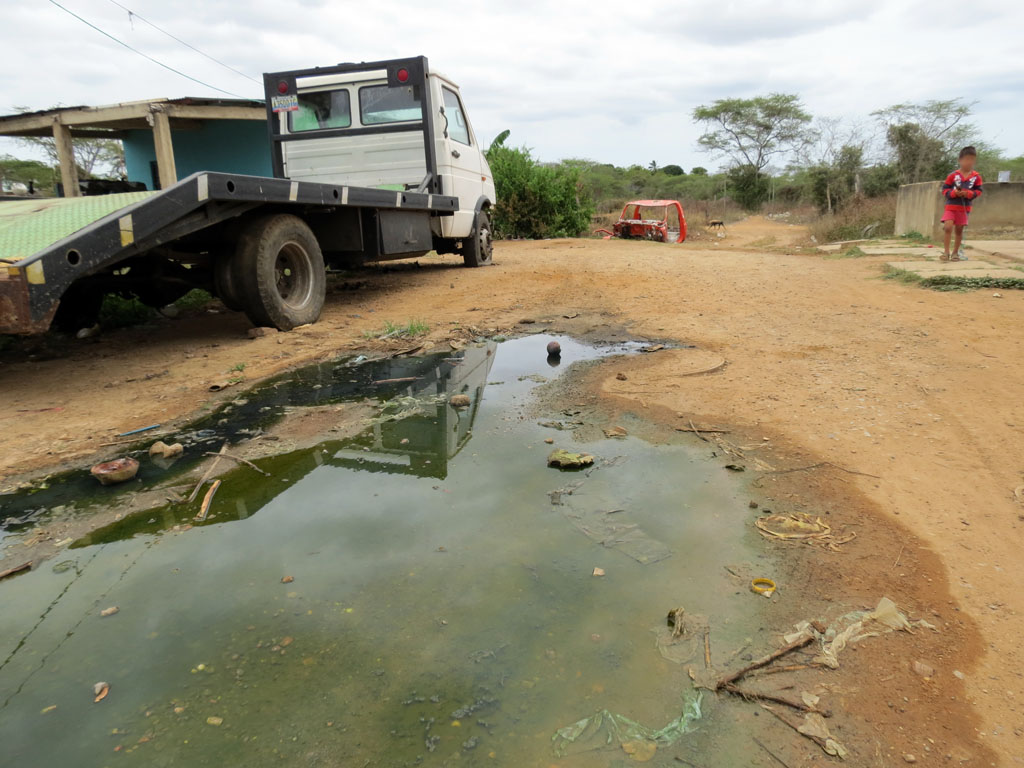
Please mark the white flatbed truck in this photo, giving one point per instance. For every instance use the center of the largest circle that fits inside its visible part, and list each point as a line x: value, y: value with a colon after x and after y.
x: 372, y: 161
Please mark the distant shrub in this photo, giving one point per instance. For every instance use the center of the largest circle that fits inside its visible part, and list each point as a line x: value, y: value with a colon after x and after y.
x: 860, y: 218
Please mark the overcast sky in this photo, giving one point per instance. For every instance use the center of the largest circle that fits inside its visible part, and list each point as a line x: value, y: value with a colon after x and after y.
x: 614, y: 82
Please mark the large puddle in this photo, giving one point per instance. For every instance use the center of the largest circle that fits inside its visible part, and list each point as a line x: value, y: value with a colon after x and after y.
x: 421, y: 594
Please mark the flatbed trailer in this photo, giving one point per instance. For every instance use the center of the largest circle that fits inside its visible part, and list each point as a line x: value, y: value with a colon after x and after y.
x: 263, y: 244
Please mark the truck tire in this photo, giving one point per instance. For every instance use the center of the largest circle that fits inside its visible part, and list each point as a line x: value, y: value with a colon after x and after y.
x: 224, y: 283
x: 478, y: 248
x: 279, y: 274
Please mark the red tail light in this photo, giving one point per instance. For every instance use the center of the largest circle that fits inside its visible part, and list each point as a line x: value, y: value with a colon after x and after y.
x: 282, y: 87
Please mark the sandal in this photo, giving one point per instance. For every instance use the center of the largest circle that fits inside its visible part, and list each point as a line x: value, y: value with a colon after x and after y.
x: 944, y: 257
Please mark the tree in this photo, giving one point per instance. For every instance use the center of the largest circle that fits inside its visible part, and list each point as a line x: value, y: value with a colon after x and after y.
x: 653, y: 167
x: 699, y: 170
x: 833, y: 155
x: 673, y: 170
x: 752, y: 131
x: 925, y: 138
x: 748, y: 186
x: 14, y: 169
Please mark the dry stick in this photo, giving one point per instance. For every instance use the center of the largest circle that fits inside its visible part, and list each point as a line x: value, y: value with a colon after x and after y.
x: 816, y: 739
x: 772, y: 754
x: 239, y: 459
x: 818, y: 466
x: 403, y: 380
x: 788, y: 668
x: 703, y: 430
x: 207, y: 501
x: 206, y: 475
x: 16, y: 569
x: 902, y: 547
x: 707, y: 649
x: 764, y: 661
x: 754, y: 696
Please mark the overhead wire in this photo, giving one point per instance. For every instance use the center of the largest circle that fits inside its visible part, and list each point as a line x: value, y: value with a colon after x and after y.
x: 133, y: 15
x: 140, y: 53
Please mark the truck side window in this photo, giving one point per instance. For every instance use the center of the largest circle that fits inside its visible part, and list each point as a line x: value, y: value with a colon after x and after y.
x: 379, y: 104
x: 458, y: 129
x: 321, y: 109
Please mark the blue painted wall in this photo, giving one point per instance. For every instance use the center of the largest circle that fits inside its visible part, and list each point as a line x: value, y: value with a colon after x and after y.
x: 229, y: 146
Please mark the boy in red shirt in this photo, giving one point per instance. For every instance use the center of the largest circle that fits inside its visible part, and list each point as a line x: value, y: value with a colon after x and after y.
x: 961, y: 187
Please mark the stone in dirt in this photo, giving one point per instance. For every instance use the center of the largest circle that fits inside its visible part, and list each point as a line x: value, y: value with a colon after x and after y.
x: 259, y: 333
x: 563, y: 459
x: 924, y: 670
x: 459, y: 401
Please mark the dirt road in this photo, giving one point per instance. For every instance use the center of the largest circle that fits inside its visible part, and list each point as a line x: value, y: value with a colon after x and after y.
x: 915, y: 399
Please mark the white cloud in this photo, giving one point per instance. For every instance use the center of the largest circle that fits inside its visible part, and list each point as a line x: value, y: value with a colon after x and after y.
x: 584, y: 79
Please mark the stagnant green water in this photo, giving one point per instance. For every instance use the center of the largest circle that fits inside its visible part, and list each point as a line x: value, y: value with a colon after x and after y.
x: 442, y: 610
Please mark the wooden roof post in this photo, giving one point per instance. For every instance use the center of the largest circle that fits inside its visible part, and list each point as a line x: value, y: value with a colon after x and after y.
x: 66, y: 159
x: 164, y: 147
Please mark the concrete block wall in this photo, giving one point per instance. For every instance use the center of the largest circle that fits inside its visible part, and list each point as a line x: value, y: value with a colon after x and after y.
x: 919, y: 208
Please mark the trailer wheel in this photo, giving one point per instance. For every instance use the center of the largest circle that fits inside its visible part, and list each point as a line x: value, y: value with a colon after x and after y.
x: 224, y: 283
x: 478, y: 248
x: 279, y: 274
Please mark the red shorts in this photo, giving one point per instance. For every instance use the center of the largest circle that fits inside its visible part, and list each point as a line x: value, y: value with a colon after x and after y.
x: 957, y: 215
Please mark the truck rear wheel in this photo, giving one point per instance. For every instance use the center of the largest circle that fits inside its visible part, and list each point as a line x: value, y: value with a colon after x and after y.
x: 478, y: 248
x: 278, y: 272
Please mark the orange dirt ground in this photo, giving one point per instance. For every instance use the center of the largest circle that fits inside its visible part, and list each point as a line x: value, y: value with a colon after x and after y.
x: 922, y: 390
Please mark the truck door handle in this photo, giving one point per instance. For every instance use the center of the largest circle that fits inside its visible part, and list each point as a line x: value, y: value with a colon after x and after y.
x: 455, y: 153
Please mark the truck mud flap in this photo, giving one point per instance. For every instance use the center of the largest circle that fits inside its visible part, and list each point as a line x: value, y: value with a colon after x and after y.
x: 404, y: 232
x: 15, y: 312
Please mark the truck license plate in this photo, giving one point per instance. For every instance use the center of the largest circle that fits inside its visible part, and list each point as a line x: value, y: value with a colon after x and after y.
x: 289, y: 102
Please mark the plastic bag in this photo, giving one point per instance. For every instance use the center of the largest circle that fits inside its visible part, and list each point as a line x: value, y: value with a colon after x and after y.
x: 605, y: 729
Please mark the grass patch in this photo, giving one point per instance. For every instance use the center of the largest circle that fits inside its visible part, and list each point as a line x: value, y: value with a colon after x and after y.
x: 959, y: 283
x: 901, y: 275
x: 119, y: 312
x: 390, y: 330
x: 764, y: 242
x: 197, y: 298
x: 853, y: 252
x: 861, y: 218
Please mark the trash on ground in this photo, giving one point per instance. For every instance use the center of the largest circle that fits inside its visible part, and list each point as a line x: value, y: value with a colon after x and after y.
x: 116, y: 471
x: 605, y: 729
x: 598, y: 572
x: 459, y: 401
x: 563, y: 459
x: 136, y: 431
x: 853, y: 627
x: 109, y: 611
x: 100, y: 691
x: 815, y: 729
x: 287, y: 579
x: 802, y: 527
x: 214, y: 720
x: 679, y: 638
x: 736, y: 467
x: 218, y: 386
x: 165, y: 451
x: 607, y: 528
x: 764, y: 587
x: 554, y: 349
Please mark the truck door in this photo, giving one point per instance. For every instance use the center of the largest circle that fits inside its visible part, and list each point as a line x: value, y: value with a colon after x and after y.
x: 458, y: 162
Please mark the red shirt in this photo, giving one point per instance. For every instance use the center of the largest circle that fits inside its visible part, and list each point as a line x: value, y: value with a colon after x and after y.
x: 967, y: 183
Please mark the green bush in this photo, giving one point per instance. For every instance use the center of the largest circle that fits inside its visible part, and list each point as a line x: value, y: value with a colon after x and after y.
x: 534, y: 200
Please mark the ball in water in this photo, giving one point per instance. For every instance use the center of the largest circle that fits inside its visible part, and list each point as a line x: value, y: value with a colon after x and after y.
x: 554, y: 349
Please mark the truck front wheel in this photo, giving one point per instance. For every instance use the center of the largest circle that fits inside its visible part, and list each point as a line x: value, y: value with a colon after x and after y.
x: 478, y: 248
x: 278, y: 273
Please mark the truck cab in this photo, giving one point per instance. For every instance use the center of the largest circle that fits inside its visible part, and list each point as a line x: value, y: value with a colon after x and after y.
x: 392, y: 125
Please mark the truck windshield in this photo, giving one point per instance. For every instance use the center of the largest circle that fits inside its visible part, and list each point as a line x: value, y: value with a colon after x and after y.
x: 319, y: 110
x: 380, y: 104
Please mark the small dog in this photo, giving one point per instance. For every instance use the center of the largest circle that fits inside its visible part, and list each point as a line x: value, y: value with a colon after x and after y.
x: 717, y: 224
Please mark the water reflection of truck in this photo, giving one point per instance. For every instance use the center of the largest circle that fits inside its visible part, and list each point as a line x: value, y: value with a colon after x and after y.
x: 372, y: 161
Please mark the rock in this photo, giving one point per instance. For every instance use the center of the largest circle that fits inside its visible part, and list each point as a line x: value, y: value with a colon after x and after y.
x: 109, y: 611
x: 116, y: 471
x: 459, y: 401
x: 615, y: 432
x: 621, y: 376
x: 214, y: 720
x: 563, y: 459
x: 287, y: 579
x: 259, y: 333
x: 909, y: 758
x: 554, y: 349
x: 598, y: 572
x: 753, y: 505
x: 549, y: 440
x: 165, y: 451
x: 924, y: 670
